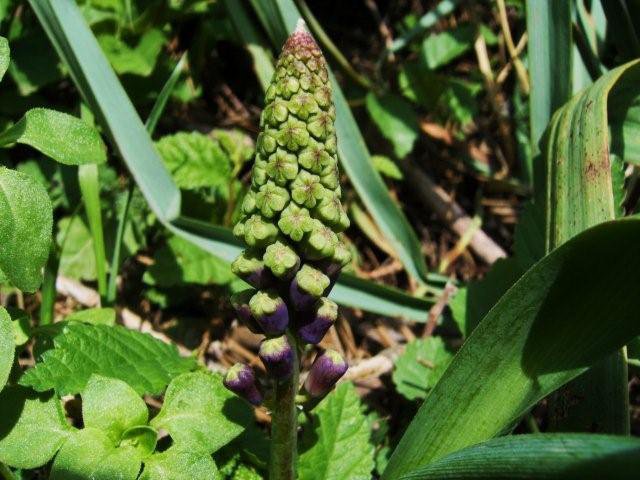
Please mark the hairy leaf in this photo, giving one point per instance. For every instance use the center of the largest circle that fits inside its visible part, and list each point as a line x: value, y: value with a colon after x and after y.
x: 335, y: 445
x: 95, y: 316
x: 32, y: 427
x: 112, y: 406
x: 542, y: 333
x: 179, y: 464
x: 60, y: 136
x: 89, y: 454
x: 81, y: 350
x: 25, y: 229
x: 420, y: 367
x: 200, y: 414
x: 532, y: 457
x: 7, y: 346
x: 76, y: 257
x: 4, y: 56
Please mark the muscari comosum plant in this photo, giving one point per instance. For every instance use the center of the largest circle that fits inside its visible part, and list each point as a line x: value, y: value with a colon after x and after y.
x: 291, y: 223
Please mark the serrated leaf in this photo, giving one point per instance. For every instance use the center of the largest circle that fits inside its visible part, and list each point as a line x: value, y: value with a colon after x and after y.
x: 7, y: 346
x: 140, y: 60
x: 396, y: 120
x: 25, y: 229
x: 179, y: 464
x: 81, y: 350
x: 420, y: 367
x: 76, y: 256
x: 62, y: 137
x: 95, y: 316
x: 195, y: 160
x: 112, y: 406
x: 236, y: 144
x: 32, y: 427
x: 4, y: 56
x: 180, y: 261
x: 336, y: 444
x: 200, y: 414
x: 89, y: 454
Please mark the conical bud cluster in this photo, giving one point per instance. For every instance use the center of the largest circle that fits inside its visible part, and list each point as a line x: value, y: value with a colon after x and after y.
x: 292, y: 216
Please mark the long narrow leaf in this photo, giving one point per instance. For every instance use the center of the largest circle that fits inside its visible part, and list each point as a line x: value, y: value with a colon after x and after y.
x: 540, y: 457
x: 568, y: 311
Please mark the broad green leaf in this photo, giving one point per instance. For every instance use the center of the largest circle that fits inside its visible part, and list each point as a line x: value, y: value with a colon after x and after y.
x: 195, y: 160
x: 112, y: 406
x: 81, y: 350
x: 533, y: 457
x: 76, y: 256
x: 95, y: 316
x: 200, y: 414
x: 62, y: 137
x: 236, y: 144
x: 25, y: 229
x: 542, y: 333
x: 441, y: 48
x: 624, y: 117
x: 32, y: 427
x: 396, y: 120
x: 179, y: 464
x: 549, y: 48
x: 21, y: 324
x: 4, y: 56
x: 142, y: 438
x: 89, y: 454
x: 420, y: 367
x: 7, y: 346
x: 180, y: 261
x: 335, y: 444
x: 140, y: 60
x: 96, y: 81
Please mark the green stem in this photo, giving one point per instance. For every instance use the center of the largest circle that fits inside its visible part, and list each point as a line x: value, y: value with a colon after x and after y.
x: 6, y: 473
x: 117, y: 248
x: 49, y: 287
x: 284, y: 425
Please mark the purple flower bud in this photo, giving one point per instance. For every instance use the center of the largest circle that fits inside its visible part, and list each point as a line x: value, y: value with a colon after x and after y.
x: 277, y: 356
x: 270, y: 311
x: 333, y: 266
x: 241, y: 381
x: 320, y: 319
x: 250, y: 268
x: 325, y: 372
x: 240, y: 303
x: 307, y: 287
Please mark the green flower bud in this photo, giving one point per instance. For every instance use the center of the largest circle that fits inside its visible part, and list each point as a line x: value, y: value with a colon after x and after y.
x: 271, y: 199
x: 295, y: 222
x: 314, y: 157
x: 258, y: 232
x: 320, y: 242
x: 306, y: 189
x: 293, y: 135
x: 282, y: 166
x: 282, y: 260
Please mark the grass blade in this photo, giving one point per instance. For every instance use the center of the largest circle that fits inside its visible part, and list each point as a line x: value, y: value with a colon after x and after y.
x: 541, y: 334
x: 538, y: 457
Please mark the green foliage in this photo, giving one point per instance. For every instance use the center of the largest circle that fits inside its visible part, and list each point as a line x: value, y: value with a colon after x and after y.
x: 179, y: 464
x: 77, y: 351
x: 90, y: 454
x: 139, y: 60
x: 25, y: 229
x: 76, y: 257
x: 4, y: 56
x: 441, y: 48
x: 386, y: 167
x: 112, y: 406
x: 179, y: 262
x: 195, y: 160
x: 335, y: 444
x: 7, y: 346
x: 60, y: 136
x: 548, y: 457
x: 32, y: 427
x: 95, y: 316
x: 420, y: 367
x: 201, y: 415
x: 396, y: 120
